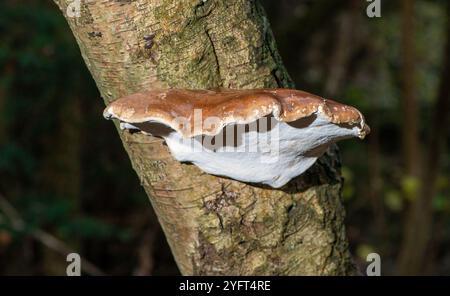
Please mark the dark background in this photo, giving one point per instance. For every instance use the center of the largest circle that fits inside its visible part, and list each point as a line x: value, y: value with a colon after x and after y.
x: 66, y: 183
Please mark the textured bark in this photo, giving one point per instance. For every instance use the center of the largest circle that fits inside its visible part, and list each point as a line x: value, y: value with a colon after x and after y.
x: 213, y: 225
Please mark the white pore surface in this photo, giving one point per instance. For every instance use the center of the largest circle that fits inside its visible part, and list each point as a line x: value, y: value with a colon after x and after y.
x: 259, y: 155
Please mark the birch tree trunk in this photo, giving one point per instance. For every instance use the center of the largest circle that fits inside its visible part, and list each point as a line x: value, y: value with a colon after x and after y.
x: 214, y: 225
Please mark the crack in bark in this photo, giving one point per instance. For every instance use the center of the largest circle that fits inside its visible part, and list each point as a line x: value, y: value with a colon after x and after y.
x: 214, y: 53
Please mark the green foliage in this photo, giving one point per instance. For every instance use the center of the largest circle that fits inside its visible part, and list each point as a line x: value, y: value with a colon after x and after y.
x: 16, y: 161
x: 394, y: 200
x: 363, y: 250
x: 410, y: 186
x: 349, y: 189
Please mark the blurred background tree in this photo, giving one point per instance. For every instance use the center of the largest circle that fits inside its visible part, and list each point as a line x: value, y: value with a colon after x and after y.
x: 64, y: 188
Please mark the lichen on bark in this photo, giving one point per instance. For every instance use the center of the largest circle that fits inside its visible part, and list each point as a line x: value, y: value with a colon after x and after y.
x: 213, y: 225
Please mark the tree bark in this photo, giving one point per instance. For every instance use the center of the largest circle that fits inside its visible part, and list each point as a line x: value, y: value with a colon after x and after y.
x: 213, y: 225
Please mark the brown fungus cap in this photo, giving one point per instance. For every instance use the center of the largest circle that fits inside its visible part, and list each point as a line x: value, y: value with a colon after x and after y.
x: 230, y: 106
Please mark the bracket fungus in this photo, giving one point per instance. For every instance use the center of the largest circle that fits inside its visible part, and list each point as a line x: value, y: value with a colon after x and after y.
x: 264, y: 136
